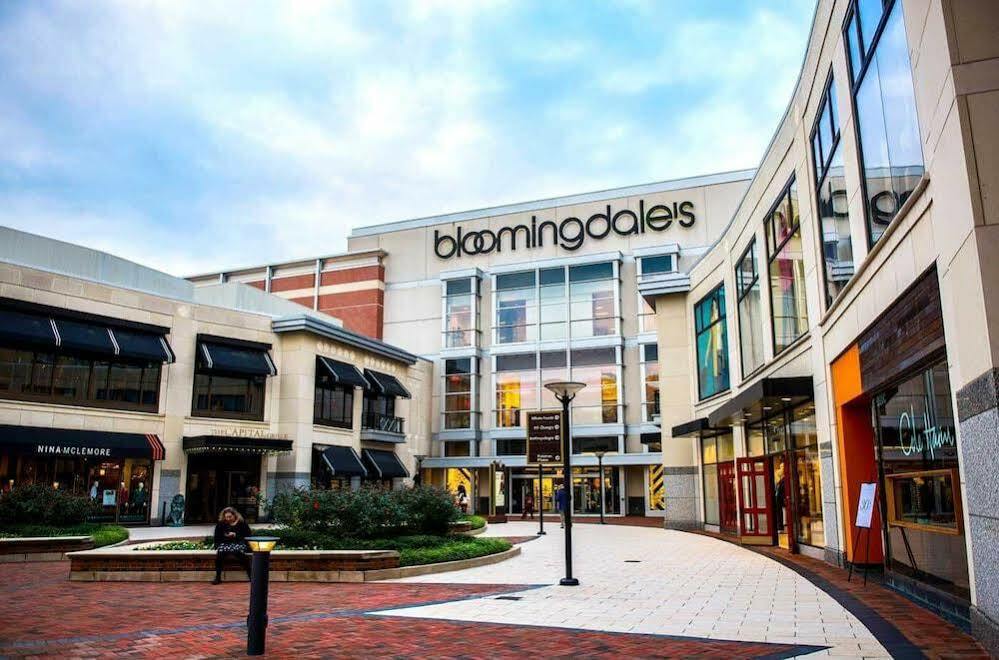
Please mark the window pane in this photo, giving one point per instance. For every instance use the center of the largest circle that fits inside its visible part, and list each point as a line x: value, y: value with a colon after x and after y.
x: 15, y: 370
x: 591, y: 272
x: 856, y: 60
x: 834, y: 222
x: 787, y: 293
x: 597, y: 402
x: 712, y: 344
x: 711, y: 503
x: 41, y: 373
x: 870, y: 16
x: 654, y: 265
x: 751, y: 330
x: 709, y: 450
x: 650, y: 397
x: 455, y: 287
x: 515, y: 281
x: 515, y: 391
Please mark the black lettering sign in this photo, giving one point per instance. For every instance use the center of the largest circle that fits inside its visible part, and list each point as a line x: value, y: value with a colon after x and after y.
x: 569, y: 234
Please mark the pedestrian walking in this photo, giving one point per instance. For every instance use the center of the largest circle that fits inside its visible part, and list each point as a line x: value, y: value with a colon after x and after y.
x: 562, y: 502
x: 528, y: 506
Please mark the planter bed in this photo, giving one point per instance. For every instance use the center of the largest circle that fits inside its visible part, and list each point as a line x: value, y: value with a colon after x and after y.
x: 42, y: 548
x: 128, y: 564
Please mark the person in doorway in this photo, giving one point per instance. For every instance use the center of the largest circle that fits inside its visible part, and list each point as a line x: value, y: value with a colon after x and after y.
x: 562, y: 502
x: 528, y: 506
x: 230, y: 541
x: 462, y: 498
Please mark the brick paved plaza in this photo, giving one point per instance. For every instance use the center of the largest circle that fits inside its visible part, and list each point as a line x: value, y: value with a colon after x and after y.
x: 644, y: 593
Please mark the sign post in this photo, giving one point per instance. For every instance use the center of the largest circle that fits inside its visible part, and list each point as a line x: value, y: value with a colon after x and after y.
x: 544, y: 445
x: 865, y: 513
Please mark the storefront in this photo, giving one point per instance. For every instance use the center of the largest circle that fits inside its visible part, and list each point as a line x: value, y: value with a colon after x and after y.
x: 897, y: 428
x: 718, y: 482
x: 115, y: 470
x: 225, y: 471
x: 586, y: 489
x: 336, y: 467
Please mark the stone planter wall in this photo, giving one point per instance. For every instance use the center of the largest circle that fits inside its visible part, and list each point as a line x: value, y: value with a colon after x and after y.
x: 44, y: 548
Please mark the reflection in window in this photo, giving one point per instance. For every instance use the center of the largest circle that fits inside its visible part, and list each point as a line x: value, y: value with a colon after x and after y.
x: 747, y: 283
x: 597, y: 403
x: 712, y: 343
x: 459, y: 397
x: 832, y: 197
x: 919, y: 456
x: 787, y: 270
x: 516, y: 388
x: 459, y: 312
x: 592, y: 300
x: 333, y: 403
x: 650, y: 381
x: 809, y: 524
x: 516, y: 308
x: 890, y: 148
x: 235, y: 396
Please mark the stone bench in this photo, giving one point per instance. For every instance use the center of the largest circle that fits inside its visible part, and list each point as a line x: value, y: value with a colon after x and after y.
x: 133, y: 564
x: 42, y: 548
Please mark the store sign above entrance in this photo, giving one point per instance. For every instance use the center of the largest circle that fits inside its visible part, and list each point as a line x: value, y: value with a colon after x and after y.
x: 569, y: 234
x: 544, y: 436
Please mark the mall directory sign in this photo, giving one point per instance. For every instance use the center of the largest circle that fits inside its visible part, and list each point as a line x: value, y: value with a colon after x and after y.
x: 544, y: 436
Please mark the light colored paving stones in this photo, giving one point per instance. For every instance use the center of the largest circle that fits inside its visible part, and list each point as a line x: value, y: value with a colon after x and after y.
x: 682, y: 584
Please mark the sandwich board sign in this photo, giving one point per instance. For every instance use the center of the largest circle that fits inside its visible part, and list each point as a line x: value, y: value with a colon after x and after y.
x: 865, y: 507
x: 544, y: 436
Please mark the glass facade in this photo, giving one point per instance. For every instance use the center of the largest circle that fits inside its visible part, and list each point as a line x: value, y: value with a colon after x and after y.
x: 76, y: 379
x: 649, y: 356
x: 918, y: 457
x: 516, y: 388
x: 597, y: 403
x: 459, y: 393
x: 516, y: 308
x: 229, y: 396
x: 647, y: 267
x: 750, y: 309
x: 885, y: 110
x: 787, y: 270
x: 712, y: 344
x: 831, y: 197
x: 334, y: 403
x: 460, y: 312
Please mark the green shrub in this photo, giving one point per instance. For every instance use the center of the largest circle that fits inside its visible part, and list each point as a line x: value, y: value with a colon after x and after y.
x: 179, y: 545
x: 367, y: 513
x: 40, y: 504
x: 477, y: 522
x: 456, y: 548
x: 102, y: 534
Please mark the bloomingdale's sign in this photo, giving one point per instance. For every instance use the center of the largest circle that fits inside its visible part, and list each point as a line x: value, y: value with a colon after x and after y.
x: 570, y: 234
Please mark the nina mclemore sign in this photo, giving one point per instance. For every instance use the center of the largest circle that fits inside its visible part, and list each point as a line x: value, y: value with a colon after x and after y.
x: 569, y: 234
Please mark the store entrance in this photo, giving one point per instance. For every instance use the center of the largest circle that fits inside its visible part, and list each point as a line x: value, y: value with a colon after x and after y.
x: 780, y: 476
x: 755, y: 484
x: 215, y: 482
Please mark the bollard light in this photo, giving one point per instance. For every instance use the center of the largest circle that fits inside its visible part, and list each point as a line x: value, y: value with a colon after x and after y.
x: 256, y: 620
x: 565, y: 391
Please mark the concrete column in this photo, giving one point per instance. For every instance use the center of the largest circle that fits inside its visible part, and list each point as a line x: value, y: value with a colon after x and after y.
x: 682, y: 510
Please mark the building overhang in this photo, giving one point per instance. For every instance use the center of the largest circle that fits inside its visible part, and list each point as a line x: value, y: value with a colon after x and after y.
x: 666, y: 284
x: 316, y: 326
x: 765, y: 397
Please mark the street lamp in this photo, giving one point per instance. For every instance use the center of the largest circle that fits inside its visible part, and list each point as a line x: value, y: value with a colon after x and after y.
x: 599, y: 453
x: 565, y: 391
x: 256, y: 620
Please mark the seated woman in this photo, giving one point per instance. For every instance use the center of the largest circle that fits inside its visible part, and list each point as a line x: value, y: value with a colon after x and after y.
x: 230, y: 541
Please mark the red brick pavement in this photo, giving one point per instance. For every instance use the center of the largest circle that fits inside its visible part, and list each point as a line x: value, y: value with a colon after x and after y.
x: 47, y: 616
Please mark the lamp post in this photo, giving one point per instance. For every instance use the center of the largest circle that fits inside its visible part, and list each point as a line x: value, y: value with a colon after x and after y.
x: 256, y: 620
x: 565, y: 391
x: 600, y: 470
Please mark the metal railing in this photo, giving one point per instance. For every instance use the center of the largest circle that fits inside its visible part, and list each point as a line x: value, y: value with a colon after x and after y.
x: 379, y: 422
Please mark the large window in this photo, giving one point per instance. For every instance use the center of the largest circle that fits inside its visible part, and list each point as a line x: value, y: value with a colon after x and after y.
x: 77, y: 379
x: 235, y: 396
x: 712, y: 343
x: 597, y: 403
x: 333, y: 402
x: 885, y: 109
x: 648, y: 267
x: 831, y: 195
x: 593, y: 299
x: 516, y: 308
x: 649, y: 355
x: 460, y: 393
x: 804, y: 438
x: 516, y: 388
x: 787, y: 270
x: 554, y: 311
x: 750, y: 310
x: 460, y: 315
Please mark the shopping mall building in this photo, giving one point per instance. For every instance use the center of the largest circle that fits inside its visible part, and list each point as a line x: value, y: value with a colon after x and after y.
x: 756, y: 345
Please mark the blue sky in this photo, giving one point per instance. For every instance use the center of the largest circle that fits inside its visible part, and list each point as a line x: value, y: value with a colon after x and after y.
x: 193, y: 136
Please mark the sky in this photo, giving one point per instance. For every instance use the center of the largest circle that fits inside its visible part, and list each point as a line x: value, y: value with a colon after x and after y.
x: 199, y: 136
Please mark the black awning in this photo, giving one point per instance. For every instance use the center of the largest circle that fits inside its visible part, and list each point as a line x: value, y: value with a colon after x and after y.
x: 385, y: 384
x: 43, y: 441
x: 692, y: 428
x: 17, y: 328
x: 383, y: 464
x: 343, y: 461
x: 343, y: 373
x: 223, y: 358
x: 223, y: 444
x: 142, y: 345
x: 81, y: 336
x: 764, y: 397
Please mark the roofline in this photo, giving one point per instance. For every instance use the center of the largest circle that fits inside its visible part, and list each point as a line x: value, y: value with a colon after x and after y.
x: 539, y: 204
x: 306, y: 323
x: 345, y: 256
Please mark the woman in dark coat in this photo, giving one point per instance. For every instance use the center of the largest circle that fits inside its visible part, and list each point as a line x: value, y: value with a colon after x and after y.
x: 230, y: 541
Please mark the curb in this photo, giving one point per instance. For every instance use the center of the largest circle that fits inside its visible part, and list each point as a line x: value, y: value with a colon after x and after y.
x: 442, y: 567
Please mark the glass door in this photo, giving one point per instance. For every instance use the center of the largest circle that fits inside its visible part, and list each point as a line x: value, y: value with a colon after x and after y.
x: 727, y: 497
x: 781, y: 490
x: 755, y: 488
